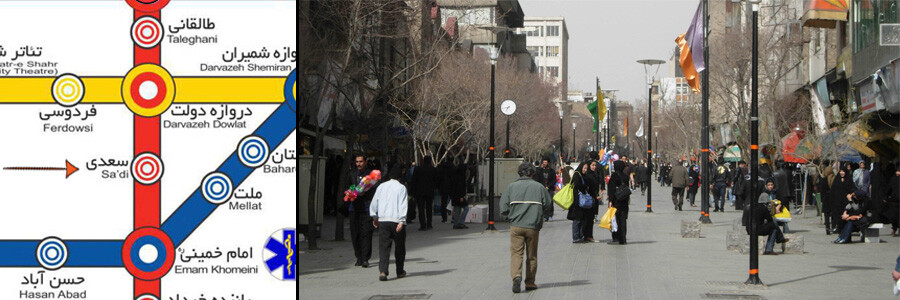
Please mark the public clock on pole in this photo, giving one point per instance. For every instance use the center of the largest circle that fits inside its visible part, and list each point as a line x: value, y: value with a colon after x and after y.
x: 508, y: 107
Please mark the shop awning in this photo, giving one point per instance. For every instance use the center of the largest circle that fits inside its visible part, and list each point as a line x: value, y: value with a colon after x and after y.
x: 832, y: 148
x: 856, y: 136
x: 824, y: 13
x: 732, y: 153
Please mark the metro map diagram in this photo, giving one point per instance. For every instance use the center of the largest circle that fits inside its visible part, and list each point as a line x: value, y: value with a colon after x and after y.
x: 148, y: 91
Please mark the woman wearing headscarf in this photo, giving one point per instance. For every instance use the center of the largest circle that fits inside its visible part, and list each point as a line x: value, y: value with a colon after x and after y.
x: 576, y: 213
x: 592, y: 179
x: 694, y: 175
x: 841, y: 187
x: 617, y: 181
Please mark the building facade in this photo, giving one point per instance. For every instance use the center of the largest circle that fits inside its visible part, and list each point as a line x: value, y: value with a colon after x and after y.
x: 547, y: 39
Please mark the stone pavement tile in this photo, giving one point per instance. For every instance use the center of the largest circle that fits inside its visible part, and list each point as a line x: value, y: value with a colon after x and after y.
x: 656, y: 264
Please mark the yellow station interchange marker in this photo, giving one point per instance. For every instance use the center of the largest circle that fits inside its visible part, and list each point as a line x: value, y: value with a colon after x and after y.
x: 198, y: 90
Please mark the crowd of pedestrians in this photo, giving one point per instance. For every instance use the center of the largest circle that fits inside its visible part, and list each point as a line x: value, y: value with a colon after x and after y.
x: 851, y: 196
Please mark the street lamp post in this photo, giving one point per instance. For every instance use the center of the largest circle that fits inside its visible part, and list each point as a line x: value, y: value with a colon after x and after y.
x: 574, y: 153
x: 598, y: 98
x: 754, y: 149
x: 704, y: 126
x: 560, y: 104
x: 650, y: 63
x: 494, y: 54
x: 657, y: 141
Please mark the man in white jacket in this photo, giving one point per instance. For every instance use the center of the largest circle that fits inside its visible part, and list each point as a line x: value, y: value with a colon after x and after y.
x: 388, y: 210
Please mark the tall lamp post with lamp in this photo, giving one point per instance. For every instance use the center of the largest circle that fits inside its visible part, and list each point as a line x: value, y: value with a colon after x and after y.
x: 495, y: 53
x: 574, y: 153
x: 560, y: 108
x: 650, y: 63
x: 754, y: 142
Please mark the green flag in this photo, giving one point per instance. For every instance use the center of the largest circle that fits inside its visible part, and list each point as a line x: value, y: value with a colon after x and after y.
x: 597, y: 110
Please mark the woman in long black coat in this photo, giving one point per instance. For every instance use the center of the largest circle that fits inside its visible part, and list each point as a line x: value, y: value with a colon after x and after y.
x: 592, y: 180
x: 841, y: 187
x: 616, y: 181
x: 577, y: 214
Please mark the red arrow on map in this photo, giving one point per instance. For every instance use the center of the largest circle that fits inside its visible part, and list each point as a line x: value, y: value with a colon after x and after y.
x: 69, y: 169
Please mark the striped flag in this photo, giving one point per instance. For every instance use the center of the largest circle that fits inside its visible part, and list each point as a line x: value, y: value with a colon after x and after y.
x: 690, y: 44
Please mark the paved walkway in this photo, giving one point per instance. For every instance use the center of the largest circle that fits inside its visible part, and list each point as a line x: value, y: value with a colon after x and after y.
x: 656, y: 264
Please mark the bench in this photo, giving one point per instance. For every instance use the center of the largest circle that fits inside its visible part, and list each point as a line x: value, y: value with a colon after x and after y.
x: 872, y: 234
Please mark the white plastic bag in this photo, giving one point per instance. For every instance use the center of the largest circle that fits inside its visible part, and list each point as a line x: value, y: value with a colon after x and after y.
x: 613, y: 226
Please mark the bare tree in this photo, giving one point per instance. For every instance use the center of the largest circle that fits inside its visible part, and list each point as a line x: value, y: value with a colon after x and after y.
x: 730, y: 78
x: 359, y: 55
x: 450, y: 113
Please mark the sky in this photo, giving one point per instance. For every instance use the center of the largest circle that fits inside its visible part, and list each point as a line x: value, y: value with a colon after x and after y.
x: 607, y: 37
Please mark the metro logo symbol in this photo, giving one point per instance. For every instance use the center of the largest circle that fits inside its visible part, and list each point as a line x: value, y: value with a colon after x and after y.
x: 283, y: 245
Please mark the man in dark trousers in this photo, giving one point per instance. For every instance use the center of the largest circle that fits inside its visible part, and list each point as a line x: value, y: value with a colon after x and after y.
x: 740, y: 185
x: 422, y: 185
x: 360, y: 223
x: 445, y: 172
x: 680, y: 177
x: 388, y: 210
x: 642, y: 176
x: 720, y: 180
x: 546, y: 176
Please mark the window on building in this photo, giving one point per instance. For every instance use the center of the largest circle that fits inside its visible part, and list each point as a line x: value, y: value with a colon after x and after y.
x: 533, y: 30
x: 535, y: 50
x: 552, y: 50
x: 541, y: 70
x: 553, y: 71
x: 868, y: 15
x: 552, y: 30
x: 469, y: 16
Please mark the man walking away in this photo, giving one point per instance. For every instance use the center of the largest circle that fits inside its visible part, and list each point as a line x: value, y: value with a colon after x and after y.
x: 388, y: 212
x: 783, y: 184
x: 524, y: 204
x: 642, y: 177
x: 422, y: 185
x: 740, y: 185
x: 679, y: 182
x: 445, y: 173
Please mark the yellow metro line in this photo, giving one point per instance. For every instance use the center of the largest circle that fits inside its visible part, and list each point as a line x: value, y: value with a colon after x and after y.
x: 36, y: 90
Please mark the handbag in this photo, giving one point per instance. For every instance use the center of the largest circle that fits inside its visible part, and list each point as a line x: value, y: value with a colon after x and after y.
x: 784, y: 216
x: 584, y: 199
x: 565, y: 196
x: 622, y: 192
x: 606, y: 220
